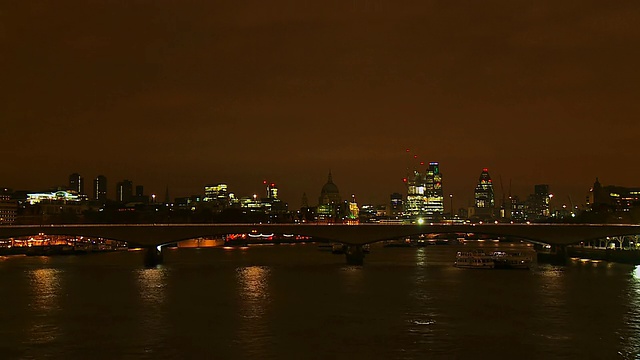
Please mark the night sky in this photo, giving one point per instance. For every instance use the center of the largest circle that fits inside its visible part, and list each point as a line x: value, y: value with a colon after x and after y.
x: 184, y: 93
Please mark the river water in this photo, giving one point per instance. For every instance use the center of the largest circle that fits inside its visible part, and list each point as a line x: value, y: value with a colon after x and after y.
x: 296, y: 302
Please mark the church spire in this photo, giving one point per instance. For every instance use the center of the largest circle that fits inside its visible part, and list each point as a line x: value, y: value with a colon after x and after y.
x: 330, y: 180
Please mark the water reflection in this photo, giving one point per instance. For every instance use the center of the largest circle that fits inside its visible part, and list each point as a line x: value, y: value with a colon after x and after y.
x: 631, y: 343
x: 253, y: 290
x: 551, y: 306
x: 45, y: 287
x: 353, y: 278
x: 421, y: 257
x: 152, y: 283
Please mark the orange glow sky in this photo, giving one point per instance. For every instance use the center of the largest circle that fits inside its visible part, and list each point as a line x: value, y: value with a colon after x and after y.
x: 184, y: 93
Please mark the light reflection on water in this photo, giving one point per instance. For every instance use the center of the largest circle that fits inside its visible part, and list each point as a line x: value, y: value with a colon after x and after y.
x: 152, y: 284
x: 402, y: 304
x: 46, y: 289
x: 254, y: 300
x: 631, y: 349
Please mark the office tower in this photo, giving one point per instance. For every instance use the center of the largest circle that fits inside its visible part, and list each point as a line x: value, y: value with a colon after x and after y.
x: 433, y: 191
x: 100, y: 188
x: 396, y: 204
x: 272, y: 191
x: 76, y: 183
x: 124, y: 191
x: 416, y: 199
x: 484, y: 197
x: 538, y: 203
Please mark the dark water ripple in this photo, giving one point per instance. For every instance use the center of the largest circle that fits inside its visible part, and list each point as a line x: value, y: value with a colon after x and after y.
x: 284, y: 302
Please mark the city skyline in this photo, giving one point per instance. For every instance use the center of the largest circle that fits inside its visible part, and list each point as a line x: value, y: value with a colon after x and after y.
x: 502, y: 191
x: 182, y: 95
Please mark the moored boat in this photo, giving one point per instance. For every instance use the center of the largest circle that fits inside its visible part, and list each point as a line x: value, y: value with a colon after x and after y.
x: 474, y: 260
x: 511, y: 260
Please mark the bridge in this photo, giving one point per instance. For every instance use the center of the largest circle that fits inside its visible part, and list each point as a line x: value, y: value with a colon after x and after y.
x: 153, y: 236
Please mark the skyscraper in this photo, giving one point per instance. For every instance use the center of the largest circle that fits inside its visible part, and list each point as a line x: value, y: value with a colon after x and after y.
x: 100, y: 188
x: 416, y: 199
x: 76, y: 183
x: 396, y: 204
x: 484, y: 197
x: 425, y: 198
x: 124, y: 191
x: 538, y: 203
x: 272, y: 191
x: 433, y: 191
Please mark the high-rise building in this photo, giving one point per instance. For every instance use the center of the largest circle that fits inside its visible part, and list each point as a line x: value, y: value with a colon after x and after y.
x: 425, y: 199
x: 416, y: 199
x: 396, y: 204
x: 76, y: 183
x: 434, y: 206
x: 484, y: 197
x: 124, y: 191
x: 538, y: 203
x: 100, y: 188
x: 272, y: 191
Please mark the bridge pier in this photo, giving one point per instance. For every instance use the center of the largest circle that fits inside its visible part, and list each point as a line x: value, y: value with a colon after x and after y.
x: 152, y: 256
x: 557, y: 255
x: 354, y: 255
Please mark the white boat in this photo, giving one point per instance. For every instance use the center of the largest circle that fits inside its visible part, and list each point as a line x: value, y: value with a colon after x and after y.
x: 474, y: 260
x: 511, y: 260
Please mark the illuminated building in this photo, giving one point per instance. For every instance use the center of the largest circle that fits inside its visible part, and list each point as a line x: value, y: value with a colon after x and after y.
x: 620, y: 198
x: 538, y: 203
x: 8, y: 208
x: 272, y: 191
x: 58, y: 196
x: 217, y: 192
x: 353, y: 213
x: 396, y: 204
x: 416, y: 199
x: 484, y: 197
x: 124, y: 191
x: 5, y: 194
x: 76, y: 183
x: 516, y: 210
x: 100, y: 188
x: 217, y: 197
x: 434, y: 206
x: 329, y: 202
x: 425, y: 198
x: 367, y: 213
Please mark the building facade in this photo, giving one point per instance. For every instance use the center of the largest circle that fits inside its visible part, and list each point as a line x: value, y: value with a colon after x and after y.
x: 100, y: 188
x: 76, y: 183
x: 434, y: 206
x: 124, y: 191
x: 484, y: 206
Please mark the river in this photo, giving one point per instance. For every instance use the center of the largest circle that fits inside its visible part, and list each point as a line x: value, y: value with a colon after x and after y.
x: 296, y: 302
